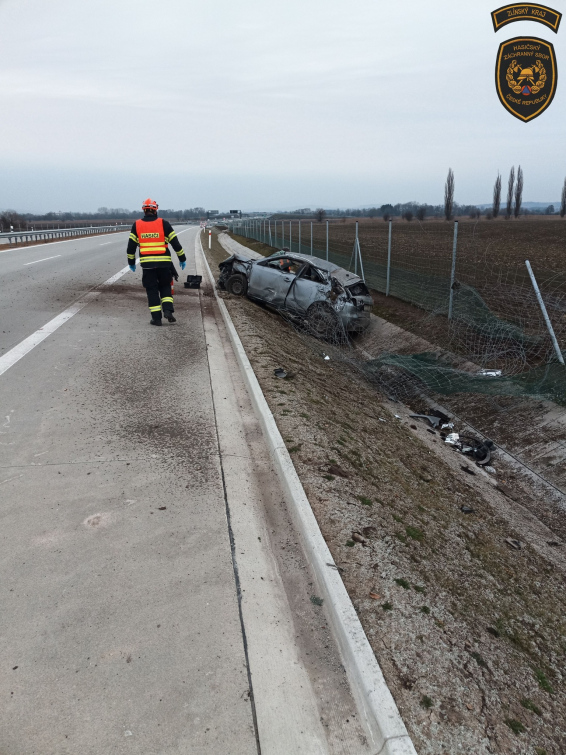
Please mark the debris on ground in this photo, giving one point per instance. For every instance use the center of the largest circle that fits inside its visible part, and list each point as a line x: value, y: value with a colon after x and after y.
x: 467, y: 509
x: 434, y: 421
x: 480, y: 450
x: 514, y: 543
x: 280, y: 372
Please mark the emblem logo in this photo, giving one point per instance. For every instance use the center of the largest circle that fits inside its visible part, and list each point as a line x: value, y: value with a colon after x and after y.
x: 526, y: 12
x: 526, y: 76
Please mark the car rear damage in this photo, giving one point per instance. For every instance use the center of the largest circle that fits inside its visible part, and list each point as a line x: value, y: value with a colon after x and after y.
x: 321, y: 295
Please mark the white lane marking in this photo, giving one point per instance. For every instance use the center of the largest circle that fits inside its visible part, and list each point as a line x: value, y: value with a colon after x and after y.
x: 67, y: 241
x: 10, y: 358
x: 43, y: 260
x: 105, y: 243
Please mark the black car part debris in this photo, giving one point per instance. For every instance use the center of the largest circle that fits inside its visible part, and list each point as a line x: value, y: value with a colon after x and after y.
x: 434, y: 421
x: 193, y: 281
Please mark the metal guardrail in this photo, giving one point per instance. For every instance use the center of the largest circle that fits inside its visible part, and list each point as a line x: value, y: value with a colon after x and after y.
x: 58, y: 233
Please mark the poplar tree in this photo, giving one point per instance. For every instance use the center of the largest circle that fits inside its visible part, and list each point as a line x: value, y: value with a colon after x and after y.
x: 519, y: 192
x: 497, y: 195
x: 510, y: 188
x: 449, y: 195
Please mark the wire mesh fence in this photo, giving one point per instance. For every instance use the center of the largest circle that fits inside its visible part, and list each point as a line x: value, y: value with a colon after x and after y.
x: 478, y: 341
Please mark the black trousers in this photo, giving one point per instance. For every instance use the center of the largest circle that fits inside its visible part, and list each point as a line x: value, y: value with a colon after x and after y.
x: 157, y: 283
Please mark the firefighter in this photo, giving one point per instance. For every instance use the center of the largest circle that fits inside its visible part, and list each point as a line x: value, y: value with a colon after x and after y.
x: 153, y: 235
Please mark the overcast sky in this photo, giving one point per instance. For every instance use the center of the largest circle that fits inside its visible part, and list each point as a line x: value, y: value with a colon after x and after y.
x: 262, y: 104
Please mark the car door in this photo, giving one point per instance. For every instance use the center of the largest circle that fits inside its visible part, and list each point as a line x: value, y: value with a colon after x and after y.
x: 308, y: 287
x: 270, y: 280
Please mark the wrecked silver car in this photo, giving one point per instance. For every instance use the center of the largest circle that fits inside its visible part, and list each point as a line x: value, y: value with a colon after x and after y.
x: 308, y: 290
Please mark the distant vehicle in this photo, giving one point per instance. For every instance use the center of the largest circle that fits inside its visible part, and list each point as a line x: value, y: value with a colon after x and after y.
x: 323, y: 296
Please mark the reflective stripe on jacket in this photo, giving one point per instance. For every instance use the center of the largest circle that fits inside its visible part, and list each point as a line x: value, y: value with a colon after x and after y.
x: 152, y: 241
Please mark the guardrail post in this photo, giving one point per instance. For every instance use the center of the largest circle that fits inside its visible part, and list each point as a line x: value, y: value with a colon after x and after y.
x: 388, y: 260
x: 453, y: 273
x: 545, y: 313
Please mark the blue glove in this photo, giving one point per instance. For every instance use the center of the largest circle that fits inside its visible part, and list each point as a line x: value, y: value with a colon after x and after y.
x: 132, y: 268
x: 183, y: 265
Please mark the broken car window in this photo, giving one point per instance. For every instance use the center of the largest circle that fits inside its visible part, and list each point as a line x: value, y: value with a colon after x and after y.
x: 284, y: 265
x: 311, y: 274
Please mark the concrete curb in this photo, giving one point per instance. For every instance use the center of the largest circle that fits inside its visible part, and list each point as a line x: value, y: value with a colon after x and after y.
x: 379, y: 713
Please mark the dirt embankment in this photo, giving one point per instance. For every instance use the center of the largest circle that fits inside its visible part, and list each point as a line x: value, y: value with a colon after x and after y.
x: 469, y: 630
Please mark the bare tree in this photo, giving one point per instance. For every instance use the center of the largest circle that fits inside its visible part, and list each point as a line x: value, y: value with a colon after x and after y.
x: 320, y: 214
x: 386, y: 217
x: 496, y: 196
x: 449, y: 195
x: 519, y: 192
x: 563, y: 201
x: 421, y: 212
x: 510, y: 189
x: 408, y: 215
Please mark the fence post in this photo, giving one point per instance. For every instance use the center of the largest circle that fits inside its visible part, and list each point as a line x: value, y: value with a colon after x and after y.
x: 299, y: 236
x: 327, y: 240
x: 356, y: 251
x: 453, y: 273
x: 388, y: 281
x: 361, y: 261
x: 282, y: 234
x: 545, y: 313
x: 311, y: 238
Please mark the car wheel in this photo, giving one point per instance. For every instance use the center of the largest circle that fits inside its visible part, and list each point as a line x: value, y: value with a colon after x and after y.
x: 322, y: 322
x: 237, y: 285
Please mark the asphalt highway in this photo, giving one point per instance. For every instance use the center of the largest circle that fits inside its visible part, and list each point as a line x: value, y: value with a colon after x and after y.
x: 38, y: 282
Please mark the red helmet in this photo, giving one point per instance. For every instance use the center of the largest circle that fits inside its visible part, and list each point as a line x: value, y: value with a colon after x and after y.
x: 150, y: 204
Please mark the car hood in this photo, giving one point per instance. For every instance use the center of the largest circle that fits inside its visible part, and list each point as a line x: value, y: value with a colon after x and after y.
x: 236, y: 258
